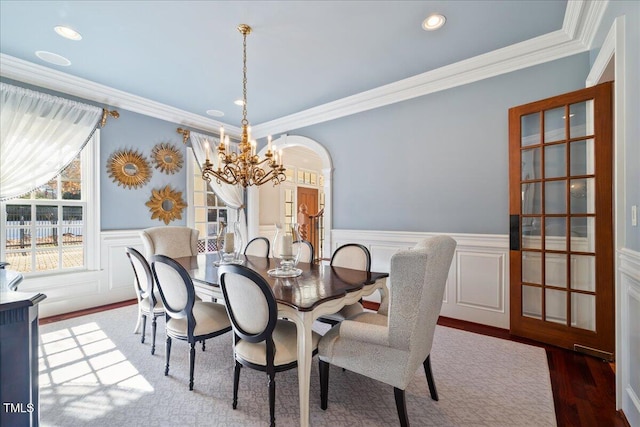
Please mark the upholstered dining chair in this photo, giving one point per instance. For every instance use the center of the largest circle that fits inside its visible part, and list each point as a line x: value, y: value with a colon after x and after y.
x: 260, y: 340
x: 188, y: 319
x: 306, y: 250
x: 258, y: 246
x: 356, y: 257
x: 149, y: 300
x: 391, y: 348
x: 171, y: 241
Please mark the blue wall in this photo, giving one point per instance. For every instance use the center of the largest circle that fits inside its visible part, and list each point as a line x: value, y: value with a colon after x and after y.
x: 437, y: 163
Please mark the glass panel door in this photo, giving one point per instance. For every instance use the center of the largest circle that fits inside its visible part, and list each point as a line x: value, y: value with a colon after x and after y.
x: 560, y: 193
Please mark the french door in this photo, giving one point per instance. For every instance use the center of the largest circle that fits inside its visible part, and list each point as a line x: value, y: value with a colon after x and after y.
x: 561, y: 221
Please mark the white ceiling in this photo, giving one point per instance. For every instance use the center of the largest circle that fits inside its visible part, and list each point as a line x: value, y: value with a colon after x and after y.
x: 185, y: 56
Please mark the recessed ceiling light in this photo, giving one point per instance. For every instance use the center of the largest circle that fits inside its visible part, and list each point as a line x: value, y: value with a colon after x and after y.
x: 215, y: 113
x: 433, y: 22
x: 53, y: 58
x: 238, y: 102
x: 67, y: 33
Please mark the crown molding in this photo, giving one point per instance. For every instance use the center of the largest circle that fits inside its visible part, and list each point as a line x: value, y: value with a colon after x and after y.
x: 38, y: 75
x: 531, y: 52
x: 581, y: 21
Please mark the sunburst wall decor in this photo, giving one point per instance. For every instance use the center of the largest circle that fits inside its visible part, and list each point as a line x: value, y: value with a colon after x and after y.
x: 129, y: 168
x: 166, y: 204
x: 167, y: 158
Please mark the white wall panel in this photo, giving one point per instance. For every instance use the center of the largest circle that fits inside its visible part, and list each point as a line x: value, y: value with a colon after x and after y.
x: 477, y: 287
x: 480, y: 280
x: 629, y: 335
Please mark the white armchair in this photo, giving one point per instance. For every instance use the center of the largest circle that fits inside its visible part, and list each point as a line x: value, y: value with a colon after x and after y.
x: 391, y: 348
x: 171, y: 241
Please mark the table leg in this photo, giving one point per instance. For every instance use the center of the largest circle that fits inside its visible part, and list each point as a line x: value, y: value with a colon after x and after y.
x: 305, y: 353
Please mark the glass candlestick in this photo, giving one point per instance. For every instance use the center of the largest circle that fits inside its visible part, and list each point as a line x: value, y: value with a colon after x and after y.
x: 229, y: 243
x: 286, y: 251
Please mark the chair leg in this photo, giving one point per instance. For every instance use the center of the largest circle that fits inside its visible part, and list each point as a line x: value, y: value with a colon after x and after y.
x: 192, y: 360
x: 144, y: 327
x: 272, y: 397
x: 168, y: 351
x: 324, y: 384
x: 138, y: 321
x: 236, y: 382
x: 401, y: 406
x: 202, y: 345
x: 153, y: 336
x: 430, y: 381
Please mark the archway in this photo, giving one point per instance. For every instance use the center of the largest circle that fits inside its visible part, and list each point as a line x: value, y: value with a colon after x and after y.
x: 253, y: 193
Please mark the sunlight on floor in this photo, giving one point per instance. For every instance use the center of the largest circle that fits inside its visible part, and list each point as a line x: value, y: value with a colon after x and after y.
x: 85, y: 375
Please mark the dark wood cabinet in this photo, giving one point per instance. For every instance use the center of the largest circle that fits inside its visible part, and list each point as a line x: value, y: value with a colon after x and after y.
x: 19, y: 392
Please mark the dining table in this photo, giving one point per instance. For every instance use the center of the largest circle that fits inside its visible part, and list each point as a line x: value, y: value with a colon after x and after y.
x: 319, y: 290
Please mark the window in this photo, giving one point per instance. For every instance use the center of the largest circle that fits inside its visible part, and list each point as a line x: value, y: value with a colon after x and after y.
x: 56, y: 227
x: 208, y: 210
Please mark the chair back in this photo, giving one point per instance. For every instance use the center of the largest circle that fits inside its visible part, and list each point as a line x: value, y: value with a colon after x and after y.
x: 418, y: 279
x: 176, y: 289
x: 250, y: 302
x: 258, y: 246
x: 306, y: 250
x: 352, y: 255
x: 144, y: 278
x: 171, y: 241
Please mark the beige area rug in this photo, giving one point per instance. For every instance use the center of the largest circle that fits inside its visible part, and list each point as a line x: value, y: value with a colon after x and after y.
x: 95, y: 372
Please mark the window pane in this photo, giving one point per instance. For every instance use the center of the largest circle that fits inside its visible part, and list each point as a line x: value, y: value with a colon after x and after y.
x: 583, y: 310
x: 583, y: 234
x: 581, y: 119
x: 530, y: 125
x: 20, y: 261
x: 555, y: 230
x: 532, y: 302
x: 530, y: 164
x: 531, y: 267
x: 531, y: 203
x: 556, y: 306
x: 46, y: 213
x: 73, y: 257
x: 582, y: 157
x: 555, y: 272
x: 555, y: 162
x: 18, y: 214
x: 554, y: 129
x: 582, y: 193
x: 555, y: 197
x: 583, y: 272
x: 47, y: 259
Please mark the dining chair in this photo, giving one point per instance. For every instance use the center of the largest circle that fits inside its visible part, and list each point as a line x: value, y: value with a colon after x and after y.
x: 149, y: 300
x: 258, y: 246
x: 306, y: 250
x: 261, y: 341
x: 188, y: 318
x: 171, y: 241
x: 356, y: 257
x: 390, y: 348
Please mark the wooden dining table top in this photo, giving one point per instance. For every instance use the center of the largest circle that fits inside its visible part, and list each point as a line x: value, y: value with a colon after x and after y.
x: 317, y: 283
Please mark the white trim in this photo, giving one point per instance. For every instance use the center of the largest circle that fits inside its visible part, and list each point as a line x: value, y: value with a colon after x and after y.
x: 579, y: 27
x: 91, y: 162
x: 35, y: 74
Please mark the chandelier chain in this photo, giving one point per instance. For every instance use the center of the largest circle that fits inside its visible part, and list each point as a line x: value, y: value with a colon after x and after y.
x: 244, y: 77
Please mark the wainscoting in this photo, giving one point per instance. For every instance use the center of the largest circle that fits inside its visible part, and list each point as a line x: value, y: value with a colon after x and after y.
x: 628, y: 335
x: 477, y: 287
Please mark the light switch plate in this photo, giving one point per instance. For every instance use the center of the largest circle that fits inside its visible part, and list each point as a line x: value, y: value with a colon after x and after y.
x: 634, y: 216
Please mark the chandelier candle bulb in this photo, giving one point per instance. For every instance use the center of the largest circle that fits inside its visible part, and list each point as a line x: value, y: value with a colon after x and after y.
x: 269, y: 144
x: 228, y: 242
x: 206, y: 148
x: 221, y: 134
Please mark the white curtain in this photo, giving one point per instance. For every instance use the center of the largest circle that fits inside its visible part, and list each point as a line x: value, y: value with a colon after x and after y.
x: 231, y: 195
x: 40, y: 135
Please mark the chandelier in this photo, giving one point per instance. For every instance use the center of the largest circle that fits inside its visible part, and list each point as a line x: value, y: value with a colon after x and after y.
x: 243, y: 166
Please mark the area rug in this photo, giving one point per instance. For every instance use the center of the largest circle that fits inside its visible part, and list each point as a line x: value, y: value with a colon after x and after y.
x: 95, y: 372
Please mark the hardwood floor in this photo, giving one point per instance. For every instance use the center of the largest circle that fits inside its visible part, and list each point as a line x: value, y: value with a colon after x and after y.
x: 583, y: 386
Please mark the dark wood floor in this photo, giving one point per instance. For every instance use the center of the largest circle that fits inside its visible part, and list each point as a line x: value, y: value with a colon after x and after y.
x: 583, y: 386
